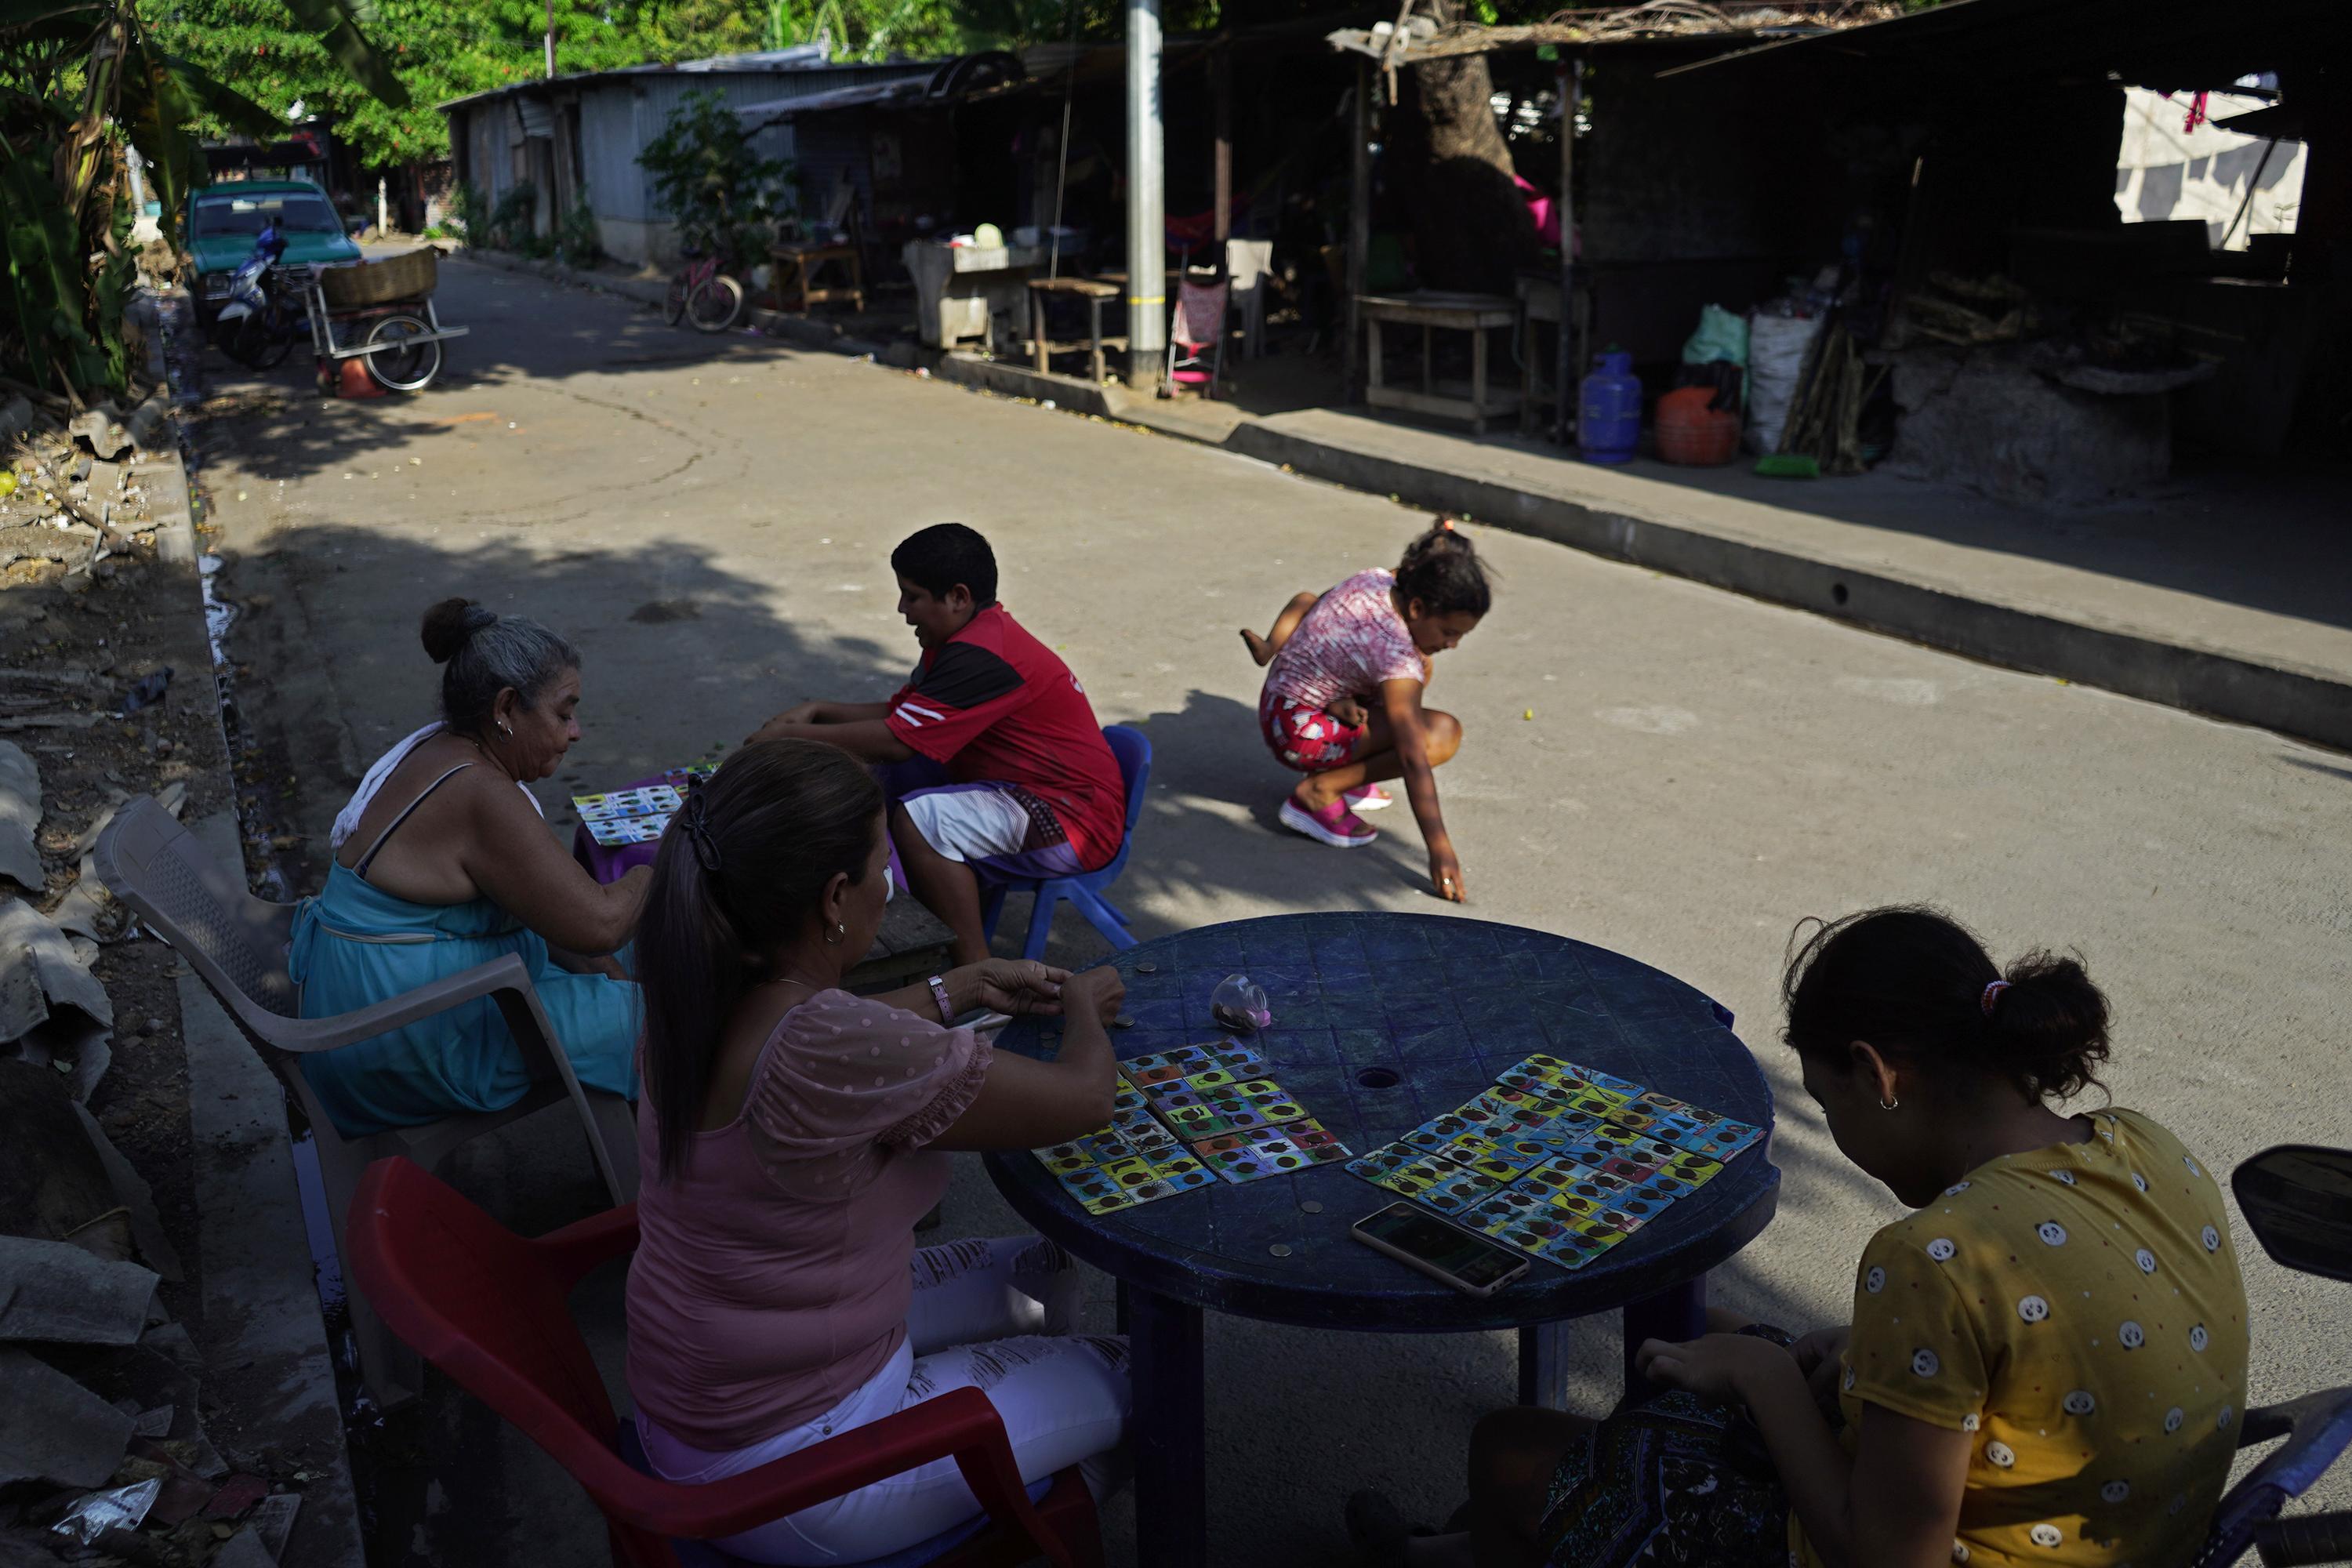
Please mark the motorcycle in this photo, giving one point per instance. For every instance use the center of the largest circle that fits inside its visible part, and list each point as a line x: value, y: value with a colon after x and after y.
x: 257, y: 326
x: 2298, y: 1201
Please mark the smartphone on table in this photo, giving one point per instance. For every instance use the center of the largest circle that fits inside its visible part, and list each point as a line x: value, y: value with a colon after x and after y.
x: 1445, y: 1251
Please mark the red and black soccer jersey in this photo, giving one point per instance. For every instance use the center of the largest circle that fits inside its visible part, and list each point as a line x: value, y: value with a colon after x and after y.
x: 995, y: 706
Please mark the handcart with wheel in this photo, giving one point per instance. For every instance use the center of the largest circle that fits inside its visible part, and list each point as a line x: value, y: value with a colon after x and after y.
x: 380, y: 312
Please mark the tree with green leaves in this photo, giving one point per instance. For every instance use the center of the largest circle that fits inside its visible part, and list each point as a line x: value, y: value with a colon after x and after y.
x: 81, y: 80
x: 723, y: 196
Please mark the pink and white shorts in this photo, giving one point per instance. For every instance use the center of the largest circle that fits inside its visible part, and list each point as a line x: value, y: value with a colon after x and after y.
x: 1305, y: 737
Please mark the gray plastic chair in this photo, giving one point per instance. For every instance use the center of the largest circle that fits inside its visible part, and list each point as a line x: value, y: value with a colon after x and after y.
x: 237, y: 944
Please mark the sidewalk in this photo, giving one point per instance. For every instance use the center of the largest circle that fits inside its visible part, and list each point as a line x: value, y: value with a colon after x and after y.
x: 2225, y: 596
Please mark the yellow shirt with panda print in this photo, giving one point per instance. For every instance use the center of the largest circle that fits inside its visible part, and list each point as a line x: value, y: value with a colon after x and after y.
x: 2078, y: 1310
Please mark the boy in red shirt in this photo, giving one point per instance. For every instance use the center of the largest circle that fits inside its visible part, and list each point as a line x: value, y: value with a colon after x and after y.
x: 1006, y: 774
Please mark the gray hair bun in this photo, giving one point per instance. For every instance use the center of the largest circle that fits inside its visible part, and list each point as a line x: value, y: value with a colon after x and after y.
x: 483, y: 653
x: 450, y: 625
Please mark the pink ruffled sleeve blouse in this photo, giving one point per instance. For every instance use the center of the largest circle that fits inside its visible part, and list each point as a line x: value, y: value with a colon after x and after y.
x: 772, y: 1276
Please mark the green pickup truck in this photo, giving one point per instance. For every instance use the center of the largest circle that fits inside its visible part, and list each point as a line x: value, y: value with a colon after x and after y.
x: 223, y: 220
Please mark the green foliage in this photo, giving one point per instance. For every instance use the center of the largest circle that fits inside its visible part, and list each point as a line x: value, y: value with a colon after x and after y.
x: 508, y: 225
x: 81, y: 80
x: 576, y: 238
x: 471, y: 211
x: 724, y: 197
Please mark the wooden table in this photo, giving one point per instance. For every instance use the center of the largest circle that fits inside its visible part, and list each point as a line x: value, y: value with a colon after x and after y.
x: 1476, y: 314
x: 797, y: 265
x: 1381, y: 1021
x: 1096, y: 294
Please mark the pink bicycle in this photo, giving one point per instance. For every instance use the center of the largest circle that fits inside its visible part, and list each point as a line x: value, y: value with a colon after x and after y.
x: 700, y: 293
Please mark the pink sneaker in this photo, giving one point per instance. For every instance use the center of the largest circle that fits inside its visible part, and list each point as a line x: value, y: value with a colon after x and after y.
x: 1334, y: 825
x: 1369, y: 797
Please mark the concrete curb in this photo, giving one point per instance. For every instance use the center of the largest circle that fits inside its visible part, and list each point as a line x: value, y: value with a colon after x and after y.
x: 262, y: 1322
x: 2309, y: 704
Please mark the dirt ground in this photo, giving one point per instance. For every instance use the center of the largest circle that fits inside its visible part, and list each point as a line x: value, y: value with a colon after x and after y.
x: 136, y: 621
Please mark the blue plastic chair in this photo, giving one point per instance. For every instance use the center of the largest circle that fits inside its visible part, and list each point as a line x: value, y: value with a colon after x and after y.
x: 2317, y: 1429
x: 1084, y: 891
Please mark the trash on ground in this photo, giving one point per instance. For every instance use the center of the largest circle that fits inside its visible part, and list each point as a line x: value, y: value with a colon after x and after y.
x: 124, y: 1507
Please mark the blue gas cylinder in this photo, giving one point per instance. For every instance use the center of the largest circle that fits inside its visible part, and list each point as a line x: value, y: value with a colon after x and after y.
x: 1609, y: 410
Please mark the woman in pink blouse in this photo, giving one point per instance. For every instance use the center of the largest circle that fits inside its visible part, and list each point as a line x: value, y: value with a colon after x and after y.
x: 792, y: 1134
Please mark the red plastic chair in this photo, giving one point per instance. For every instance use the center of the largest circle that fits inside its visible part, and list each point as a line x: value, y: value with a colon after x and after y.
x: 489, y: 1308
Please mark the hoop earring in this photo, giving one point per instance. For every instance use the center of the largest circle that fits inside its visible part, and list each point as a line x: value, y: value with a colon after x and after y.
x: 506, y: 729
x: 1888, y: 1104
x: 839, y: 933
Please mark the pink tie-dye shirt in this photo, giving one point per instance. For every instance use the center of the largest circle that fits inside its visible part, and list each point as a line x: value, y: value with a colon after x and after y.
x: 1352, y: 642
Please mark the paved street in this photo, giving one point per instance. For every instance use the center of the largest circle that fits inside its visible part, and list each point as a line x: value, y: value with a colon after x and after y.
x: 709, y: 519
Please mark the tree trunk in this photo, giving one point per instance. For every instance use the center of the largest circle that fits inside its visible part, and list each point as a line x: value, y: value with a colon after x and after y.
x: 1452, y: 174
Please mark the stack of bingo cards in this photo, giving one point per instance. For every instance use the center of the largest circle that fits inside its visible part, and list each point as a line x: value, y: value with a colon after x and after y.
x: 1184, y: 1116
x: 1556, y: 1160
x: 1133, y: 1160
x: 637, y: 816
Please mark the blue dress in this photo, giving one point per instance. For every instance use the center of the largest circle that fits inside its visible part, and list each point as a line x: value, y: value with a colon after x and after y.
x: 356, y: 946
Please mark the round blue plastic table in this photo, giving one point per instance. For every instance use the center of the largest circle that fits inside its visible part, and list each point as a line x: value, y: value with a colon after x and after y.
x: 1381, y: 1021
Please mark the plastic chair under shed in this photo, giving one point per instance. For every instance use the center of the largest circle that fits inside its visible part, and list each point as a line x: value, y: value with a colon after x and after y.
x: 491, y: 1309
x: 236, y: 943
x: 1196, y: 336
x: 1084, y: 891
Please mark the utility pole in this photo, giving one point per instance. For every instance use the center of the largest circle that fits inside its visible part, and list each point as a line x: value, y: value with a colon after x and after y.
x: 550, y: 40
x: 1146, y: 219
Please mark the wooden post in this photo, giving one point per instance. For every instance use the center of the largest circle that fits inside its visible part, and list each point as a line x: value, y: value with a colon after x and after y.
x: 1221, y: 90
x: 1564, y: 399
x: 1359, y: 224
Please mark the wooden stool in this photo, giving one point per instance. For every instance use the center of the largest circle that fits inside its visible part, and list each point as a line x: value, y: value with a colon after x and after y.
x: 1094, y: 294
x: 797, y: 266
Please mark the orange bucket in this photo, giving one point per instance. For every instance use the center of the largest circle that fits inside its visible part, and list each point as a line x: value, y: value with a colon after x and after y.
x: 1692, y: 434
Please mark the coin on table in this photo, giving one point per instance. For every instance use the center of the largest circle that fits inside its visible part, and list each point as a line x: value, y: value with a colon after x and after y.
x: 1123, y: 1021
x: 1279, y: 1249
x: 1310, y: 1206
x: 1146, y: 969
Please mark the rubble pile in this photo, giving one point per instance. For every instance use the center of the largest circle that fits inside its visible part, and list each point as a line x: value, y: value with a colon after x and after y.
x: 103, y: 1397
x: 70, y: 501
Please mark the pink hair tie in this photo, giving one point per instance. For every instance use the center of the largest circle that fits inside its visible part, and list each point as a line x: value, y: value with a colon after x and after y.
x: 1991, y: 994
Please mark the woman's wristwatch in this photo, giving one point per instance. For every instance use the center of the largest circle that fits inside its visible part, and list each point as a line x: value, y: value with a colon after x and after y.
x: 939, y: 995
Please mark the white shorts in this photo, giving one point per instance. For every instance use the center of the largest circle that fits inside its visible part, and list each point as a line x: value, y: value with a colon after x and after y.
x: 970, y: 822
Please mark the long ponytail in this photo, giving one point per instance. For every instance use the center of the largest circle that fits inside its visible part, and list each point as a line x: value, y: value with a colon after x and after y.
x: 738, y: 871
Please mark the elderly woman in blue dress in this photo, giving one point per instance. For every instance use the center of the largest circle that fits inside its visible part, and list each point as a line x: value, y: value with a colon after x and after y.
x: 442, y: 862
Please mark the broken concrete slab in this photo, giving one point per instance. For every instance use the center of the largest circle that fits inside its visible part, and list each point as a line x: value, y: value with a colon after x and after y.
x: 20, y: 816
x: 54, y: 1293
x: 52, y: 1182
x: 244, y: 1550
x: 88, y: 909
x: 101, y: 430
x: 155, y: 1249
x: 272, y: 1520
x: 52, y: 1428
x: 51, y: 1007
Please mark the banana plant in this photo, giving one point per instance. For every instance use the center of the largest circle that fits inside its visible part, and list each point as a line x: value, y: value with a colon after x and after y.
x: 79, y: 81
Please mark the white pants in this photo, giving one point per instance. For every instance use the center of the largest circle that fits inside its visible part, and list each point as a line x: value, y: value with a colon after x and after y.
x: 991, y: 1315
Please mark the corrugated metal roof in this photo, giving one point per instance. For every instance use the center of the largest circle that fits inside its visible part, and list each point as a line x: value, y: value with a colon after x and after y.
x: 2150, y: 43
x: 802, y: 59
